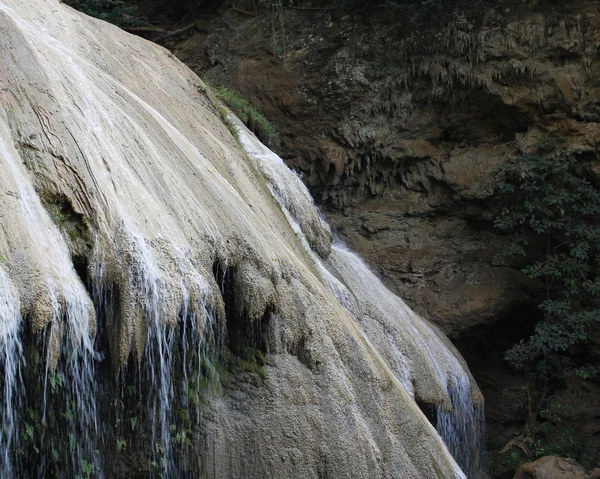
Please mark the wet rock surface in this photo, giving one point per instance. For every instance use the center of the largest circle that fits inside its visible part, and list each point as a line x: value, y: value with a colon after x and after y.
x: 397, y: 118
x: 171, y: 301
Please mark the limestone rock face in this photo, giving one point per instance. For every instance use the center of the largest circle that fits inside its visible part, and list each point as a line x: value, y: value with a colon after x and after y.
x: 551, y: 467
x: 397, y: 117
x: 135, y: 230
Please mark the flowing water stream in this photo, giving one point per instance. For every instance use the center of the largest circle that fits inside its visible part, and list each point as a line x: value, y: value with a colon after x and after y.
x: 459, y: 422
x: 11, y: 354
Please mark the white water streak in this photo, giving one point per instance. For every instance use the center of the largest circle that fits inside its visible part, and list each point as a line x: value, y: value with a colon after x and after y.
x: 359, y: 291
x: 11, y: 363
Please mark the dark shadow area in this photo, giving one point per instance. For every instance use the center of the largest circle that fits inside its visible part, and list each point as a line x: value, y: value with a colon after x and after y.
x: 484, y: 349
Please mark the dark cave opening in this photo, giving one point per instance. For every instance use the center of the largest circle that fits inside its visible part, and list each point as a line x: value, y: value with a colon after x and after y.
x: 484, y: 348
x: 248, y: 339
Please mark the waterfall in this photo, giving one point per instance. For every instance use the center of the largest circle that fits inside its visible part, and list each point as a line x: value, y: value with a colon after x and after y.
x: 458, y: 421
x: 66, y: 319
x: 173, y: 304
x: 11, y: 362
x: 462, y: 428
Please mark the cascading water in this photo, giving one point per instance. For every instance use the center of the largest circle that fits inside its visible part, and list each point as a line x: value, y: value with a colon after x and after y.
x: 189, y: 258
x: 11, y: 362
x: 459, y: 421
x: 175, y: 366
x: 66, y: 377
x: 70, y: 387
x: 462, y: 428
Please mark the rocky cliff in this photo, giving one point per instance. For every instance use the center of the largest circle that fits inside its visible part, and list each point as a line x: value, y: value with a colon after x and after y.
x: 397, y: 117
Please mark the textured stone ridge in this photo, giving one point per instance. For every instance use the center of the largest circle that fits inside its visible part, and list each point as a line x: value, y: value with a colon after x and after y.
x: 397, y: 118
x: 118, y: 172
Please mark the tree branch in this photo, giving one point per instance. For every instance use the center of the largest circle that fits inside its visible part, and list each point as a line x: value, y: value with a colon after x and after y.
x: 144, y: 30
x: 185, y: 29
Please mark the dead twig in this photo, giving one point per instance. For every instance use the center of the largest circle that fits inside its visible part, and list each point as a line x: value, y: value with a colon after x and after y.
x: 185, y: 29
x: 144, y: 30
x: 246, y: 12
x: 511, y: 443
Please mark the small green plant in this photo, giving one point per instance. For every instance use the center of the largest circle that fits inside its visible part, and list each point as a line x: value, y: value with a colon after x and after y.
x: 88, y: 468
x: 72, y: 441
x: 180, y: 436
x: 68, y: 414
x: 56, y: 209
x: 252, y: 118
x: 56, y: 380
x: 133, y: 423
x: 121, y: 444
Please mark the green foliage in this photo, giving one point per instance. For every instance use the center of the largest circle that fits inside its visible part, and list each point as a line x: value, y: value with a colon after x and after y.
x: 562, y: 442
x: 119, y: 12
x: 229, y: 123
x: 551, y: 210
x: 252, y: 118
x: 56, y: 380
x: 88, y: 468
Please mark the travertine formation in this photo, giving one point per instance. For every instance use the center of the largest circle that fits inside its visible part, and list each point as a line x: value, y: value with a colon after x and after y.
x: 118, y: 172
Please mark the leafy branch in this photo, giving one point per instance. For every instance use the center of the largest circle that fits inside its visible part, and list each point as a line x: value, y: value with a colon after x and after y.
x: 550, y: 209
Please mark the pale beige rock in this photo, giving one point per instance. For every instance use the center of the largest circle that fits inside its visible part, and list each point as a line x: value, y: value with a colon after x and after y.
x: 128, y: 136
x: 551, y: 467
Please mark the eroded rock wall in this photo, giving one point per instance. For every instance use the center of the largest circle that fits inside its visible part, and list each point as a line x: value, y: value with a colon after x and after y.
x: 397, y: 117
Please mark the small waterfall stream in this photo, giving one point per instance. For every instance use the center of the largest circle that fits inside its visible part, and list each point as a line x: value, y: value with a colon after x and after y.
x: 175, y: 366
x: 11, y: 363
x: 462, y: 428
x: 459, y: 422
